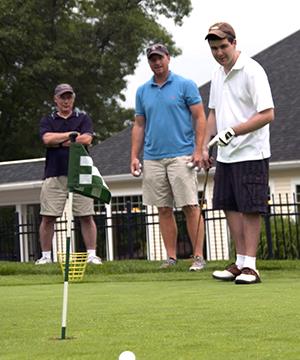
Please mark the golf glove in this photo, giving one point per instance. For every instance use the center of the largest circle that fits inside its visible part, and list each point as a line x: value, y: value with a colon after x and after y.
x: 223, y: 138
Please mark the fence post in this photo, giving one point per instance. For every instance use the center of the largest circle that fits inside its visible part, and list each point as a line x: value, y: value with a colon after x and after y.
x: 108, y: 227
x: 17, y: 247
x: 269, y: 233
x: 129, y: 229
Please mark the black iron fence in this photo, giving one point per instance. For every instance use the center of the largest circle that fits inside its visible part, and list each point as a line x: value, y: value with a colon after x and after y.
x: 135, y: 234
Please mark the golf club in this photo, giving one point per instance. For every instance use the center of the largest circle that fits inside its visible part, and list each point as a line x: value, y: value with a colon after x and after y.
x: 210, y: 149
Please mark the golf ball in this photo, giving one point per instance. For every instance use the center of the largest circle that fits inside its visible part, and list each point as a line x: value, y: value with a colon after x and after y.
x: 127, y: 355
x: 191, y: 165
x: 137, y: 172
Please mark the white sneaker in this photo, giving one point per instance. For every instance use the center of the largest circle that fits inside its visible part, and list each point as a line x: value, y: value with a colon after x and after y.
x: 95, y: 260
x: 198, y: 264
x: 43, y: 260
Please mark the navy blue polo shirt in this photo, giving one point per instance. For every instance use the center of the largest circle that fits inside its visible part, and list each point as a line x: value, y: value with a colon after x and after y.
x: 57, y: 158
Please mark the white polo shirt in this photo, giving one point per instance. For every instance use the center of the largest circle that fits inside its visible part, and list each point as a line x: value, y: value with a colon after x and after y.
x: 236, y: 97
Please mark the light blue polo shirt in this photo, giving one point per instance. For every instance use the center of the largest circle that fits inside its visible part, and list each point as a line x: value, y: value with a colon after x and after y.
x: 168, y: 121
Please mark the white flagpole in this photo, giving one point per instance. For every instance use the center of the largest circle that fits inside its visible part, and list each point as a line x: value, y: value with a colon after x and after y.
x: 67, y: 263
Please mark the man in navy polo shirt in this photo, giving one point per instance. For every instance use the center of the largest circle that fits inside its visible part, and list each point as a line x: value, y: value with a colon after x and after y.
x: 54, y: 131
x: 170, y: 125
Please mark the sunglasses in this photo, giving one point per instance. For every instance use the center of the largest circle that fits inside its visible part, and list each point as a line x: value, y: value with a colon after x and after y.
x: 155, y: 47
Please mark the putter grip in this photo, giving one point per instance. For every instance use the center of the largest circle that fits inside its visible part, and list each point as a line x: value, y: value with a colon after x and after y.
x: 73, y: 136
x: 211, y: 147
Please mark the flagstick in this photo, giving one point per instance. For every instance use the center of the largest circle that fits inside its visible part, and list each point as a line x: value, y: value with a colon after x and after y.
x: 67, y: 263
x: 72, y: 137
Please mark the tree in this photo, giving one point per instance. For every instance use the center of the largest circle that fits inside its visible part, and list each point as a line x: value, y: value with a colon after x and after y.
x: 93, y: 45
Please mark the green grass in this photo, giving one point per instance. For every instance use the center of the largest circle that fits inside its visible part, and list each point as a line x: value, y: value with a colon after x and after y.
x: 157, y: 314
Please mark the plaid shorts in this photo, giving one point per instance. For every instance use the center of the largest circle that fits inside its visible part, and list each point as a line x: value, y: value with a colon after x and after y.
x: 242, y: 186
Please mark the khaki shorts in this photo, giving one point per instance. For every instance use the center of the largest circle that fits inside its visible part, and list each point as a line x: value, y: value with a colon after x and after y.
x: 168, y: 182
x: 54, y: 195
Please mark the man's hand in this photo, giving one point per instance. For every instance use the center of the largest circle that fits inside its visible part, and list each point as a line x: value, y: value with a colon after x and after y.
x: 207, y: 159
x: 136, y: 167
x: 223, y: 138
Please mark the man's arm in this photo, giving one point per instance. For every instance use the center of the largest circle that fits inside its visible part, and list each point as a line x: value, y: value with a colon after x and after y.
x: 56, y: 139
x: 256, y: 122
x: 199, y: 118
x: 211, y: 130
x: 137, y: 141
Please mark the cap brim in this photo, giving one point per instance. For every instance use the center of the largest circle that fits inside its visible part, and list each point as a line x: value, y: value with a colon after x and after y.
x: 220, y: 34
x: 156, y: 52
x: 64, y: 92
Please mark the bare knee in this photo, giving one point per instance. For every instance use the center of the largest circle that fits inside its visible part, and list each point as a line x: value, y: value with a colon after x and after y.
x: 189, y: 210
x: 48, y: 220
x: 165, y: 211
x: 86, y: 220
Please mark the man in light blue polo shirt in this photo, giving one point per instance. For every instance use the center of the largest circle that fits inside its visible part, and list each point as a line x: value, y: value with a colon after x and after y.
x: 170, y: 125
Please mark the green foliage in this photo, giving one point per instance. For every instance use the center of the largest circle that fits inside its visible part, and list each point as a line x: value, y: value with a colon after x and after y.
x: 285, y: 235
x: 93, y: 45
x: 7, y: 230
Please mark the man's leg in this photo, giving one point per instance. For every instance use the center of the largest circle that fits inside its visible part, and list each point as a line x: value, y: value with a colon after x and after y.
x: 89, y: 234
x: 245, y: 230
x: 252, y: 226
x: 195, y: 227
x: 89, y: 231
x: 236, y: 227
x: 168, y: 228
x: 46, y: 233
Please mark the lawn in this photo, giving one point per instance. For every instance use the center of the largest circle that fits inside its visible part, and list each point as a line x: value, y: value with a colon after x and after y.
x: 157, y: 314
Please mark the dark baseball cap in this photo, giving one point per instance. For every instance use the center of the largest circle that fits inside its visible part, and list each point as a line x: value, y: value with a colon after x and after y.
x: 62, y: 89
x: 221, y: 30
x: 158, y: 49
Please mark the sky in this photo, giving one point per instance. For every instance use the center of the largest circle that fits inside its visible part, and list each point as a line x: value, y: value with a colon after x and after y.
x: 258, y: 25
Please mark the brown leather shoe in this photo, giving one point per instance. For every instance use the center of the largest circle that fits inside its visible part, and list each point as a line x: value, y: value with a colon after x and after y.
x: 229, y: 274
x: 248, y: 276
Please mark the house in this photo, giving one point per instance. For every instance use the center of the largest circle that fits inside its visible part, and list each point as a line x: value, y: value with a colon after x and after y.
x: 20, y: 181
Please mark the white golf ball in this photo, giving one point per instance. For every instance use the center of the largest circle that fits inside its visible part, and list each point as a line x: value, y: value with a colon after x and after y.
x: 137, y: 172
x: 127, y: 355
x: 190, y: 164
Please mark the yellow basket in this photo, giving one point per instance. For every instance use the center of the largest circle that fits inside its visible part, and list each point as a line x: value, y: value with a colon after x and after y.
x: 77, y: 265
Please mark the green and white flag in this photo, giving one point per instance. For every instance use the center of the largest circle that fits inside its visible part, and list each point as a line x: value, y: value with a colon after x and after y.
x: 83, y: 177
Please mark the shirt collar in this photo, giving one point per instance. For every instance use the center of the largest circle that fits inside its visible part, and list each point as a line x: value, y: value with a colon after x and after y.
x: 240, y: 62
x: 58, y: 116
x: 169, y: 79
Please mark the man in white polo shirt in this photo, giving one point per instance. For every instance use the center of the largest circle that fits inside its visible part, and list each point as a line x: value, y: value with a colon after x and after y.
x: 241, y: 108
